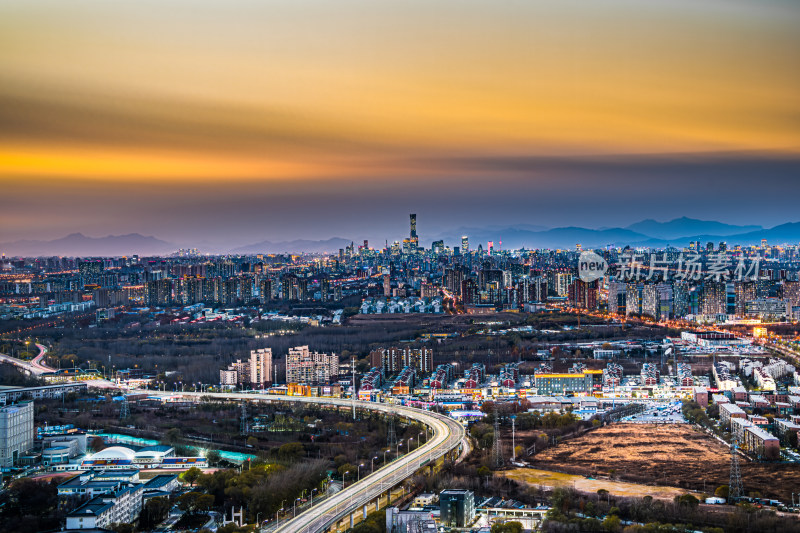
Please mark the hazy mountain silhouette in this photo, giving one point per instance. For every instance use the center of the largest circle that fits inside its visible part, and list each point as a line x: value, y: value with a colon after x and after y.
x: 684, y: 226
x: 79, y: 245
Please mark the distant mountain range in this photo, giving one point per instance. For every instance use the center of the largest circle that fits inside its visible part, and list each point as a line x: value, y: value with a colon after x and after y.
x: 79, y: 245
x: 681, y: 227
x: 678, y: 232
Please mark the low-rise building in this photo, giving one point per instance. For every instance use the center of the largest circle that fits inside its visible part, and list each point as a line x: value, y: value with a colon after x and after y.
x: 761, y: 443
x: 121, y: 506
x: 727, y: 411
x: 457, y: 508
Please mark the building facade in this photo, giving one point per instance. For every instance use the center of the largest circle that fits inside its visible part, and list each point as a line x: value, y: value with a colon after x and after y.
x: 305, y: 366
x: 16, y: 432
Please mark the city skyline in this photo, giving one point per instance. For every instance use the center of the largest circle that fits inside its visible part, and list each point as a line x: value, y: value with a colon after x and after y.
x: 239, y: 123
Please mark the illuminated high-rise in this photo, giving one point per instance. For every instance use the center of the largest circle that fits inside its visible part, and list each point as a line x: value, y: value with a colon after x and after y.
x: 261, y: 366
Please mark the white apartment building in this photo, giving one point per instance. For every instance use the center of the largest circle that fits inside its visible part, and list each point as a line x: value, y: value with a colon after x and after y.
x: 256, y: 371
x: 122, y: 506
x: 261, y: 366
x: 16, y: 432
x: 304, y: 366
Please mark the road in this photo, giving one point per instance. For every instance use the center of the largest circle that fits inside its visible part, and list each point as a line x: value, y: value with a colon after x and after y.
x: 34, y: 366
x: 448, y: 435
x: 37, y: 363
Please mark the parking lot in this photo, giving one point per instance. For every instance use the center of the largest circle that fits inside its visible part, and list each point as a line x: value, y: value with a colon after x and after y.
x: 658, y: 413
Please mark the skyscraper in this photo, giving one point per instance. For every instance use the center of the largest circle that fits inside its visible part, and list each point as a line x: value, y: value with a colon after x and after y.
x: 413, y: 217
x: 464, y: 245
x: 714, y: 300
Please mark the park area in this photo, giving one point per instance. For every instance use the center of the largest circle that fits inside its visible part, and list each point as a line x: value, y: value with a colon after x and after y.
x: 669, y: 455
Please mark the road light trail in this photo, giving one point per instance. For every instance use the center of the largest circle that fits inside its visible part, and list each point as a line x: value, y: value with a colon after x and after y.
x: 447, y: 436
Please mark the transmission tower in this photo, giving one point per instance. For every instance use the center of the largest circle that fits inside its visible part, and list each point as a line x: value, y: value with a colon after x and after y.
x: 124, y: 409
x: 391, y: 436
x: 244, y: 428
x: 735, y: 490
x: 497, y: 451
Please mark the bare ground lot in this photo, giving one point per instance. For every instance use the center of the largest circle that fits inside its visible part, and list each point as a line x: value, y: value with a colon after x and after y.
x: 675, y: 455
x: 549, y: 479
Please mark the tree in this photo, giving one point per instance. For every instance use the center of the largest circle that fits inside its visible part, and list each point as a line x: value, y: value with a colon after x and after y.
x: 172, y: 436
x: 204, y: 503
x: 291, y: 451
x: 192, y: 475
x: 122, y: 527
x: 687, y: 500
x: 97, y: 444
x: 347, y: 467
x: 154, y: 512
x: 252, y: 442
x: 722, y: 491
x: 507, y: 527
x: 612, y: 523
x: 213, y: 457
x: 195, y: 502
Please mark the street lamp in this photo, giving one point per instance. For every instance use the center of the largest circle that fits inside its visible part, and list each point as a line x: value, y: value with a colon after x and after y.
x: 372, y: 464
x: 359, y: 471
x: 294, y: 509
x: 419, y: 440
x: 384, y: 455
x: 344, y: 477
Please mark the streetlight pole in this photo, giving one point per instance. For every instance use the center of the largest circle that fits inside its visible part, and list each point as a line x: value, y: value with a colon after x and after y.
x: 384, y: 455
x: 513, y: 448
x: 372, y: 464
x: 359, y: 471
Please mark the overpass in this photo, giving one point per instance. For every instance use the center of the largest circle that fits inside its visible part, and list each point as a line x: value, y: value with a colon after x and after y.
x: 448, y: 438
x: 34, y: 367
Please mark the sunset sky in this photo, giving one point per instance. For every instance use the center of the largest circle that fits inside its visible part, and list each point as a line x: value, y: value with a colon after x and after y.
x: 237, y: 121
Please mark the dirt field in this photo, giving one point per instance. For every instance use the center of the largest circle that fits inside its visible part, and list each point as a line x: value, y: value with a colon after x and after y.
x: 550, y: 479
x: 670, y: 455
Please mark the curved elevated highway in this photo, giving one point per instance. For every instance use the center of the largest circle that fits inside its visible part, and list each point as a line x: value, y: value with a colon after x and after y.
x: 34, y: 366
x: 448, y: 436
